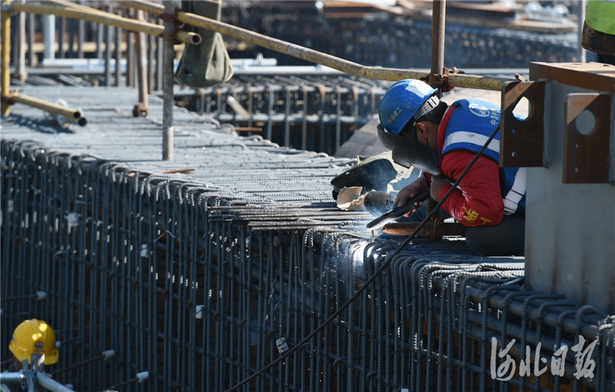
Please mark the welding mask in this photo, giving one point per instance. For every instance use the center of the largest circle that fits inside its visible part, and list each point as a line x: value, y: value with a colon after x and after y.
x: 370, y: 173
x: 407, y: 152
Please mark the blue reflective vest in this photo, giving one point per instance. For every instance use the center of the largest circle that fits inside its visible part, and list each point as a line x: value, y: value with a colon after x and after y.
x: 468, y: 128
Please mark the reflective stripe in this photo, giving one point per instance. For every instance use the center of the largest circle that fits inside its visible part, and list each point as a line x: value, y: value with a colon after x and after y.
x: 473, y: 138
x: 516, y: 192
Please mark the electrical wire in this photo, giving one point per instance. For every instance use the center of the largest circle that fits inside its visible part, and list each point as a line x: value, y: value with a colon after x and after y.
x: 388, y: 259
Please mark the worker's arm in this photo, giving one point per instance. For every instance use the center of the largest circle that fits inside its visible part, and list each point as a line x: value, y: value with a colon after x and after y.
x: 479, y: 201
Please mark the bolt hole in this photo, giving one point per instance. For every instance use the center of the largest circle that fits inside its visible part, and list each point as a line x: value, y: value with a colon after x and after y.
x: 585, y: 123
x: 522, y: 108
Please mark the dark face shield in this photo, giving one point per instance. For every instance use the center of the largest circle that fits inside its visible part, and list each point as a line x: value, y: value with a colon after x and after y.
x: 408, y: 152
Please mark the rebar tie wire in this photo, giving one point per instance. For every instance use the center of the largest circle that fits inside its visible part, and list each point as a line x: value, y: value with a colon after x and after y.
x: 388, y: 259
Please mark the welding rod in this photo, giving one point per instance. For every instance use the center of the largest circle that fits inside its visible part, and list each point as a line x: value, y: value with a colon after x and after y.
x: 348, y: 67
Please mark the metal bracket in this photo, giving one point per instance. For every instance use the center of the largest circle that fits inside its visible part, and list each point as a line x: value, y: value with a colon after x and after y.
x: 441, y: 80
x: 171, y: 35
x: 140, y: 110
x: 8, y: 97
x: 587, y: 140
x: 522, y: 141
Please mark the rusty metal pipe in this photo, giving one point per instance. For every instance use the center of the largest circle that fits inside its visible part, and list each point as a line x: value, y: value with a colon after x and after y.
x: 351, y: 68
x: 93, y: 15
x: 142, y: 108
x: 168, y: 54
x: 437, y: 38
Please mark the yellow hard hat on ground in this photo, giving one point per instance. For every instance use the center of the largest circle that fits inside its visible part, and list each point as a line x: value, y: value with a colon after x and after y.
x: 34, y: 337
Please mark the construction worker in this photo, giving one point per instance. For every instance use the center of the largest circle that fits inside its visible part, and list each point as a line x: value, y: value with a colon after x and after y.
x: 599, y: 30
x: 33, y: 337
x: 442, y: 139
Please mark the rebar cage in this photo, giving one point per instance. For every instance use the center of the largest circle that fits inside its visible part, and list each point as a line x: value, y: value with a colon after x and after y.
x: 202, y: 290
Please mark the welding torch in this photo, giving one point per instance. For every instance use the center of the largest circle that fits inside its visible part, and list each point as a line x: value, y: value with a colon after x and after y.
x: 397, y: 212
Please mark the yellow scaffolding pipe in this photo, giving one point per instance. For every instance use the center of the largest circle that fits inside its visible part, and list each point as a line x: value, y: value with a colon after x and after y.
x: 53, y: 108
x: 351, y: 68
x: 5, y: 54
x: 94, y: 15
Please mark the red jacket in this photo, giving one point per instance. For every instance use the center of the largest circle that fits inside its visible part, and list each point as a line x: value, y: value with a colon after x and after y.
x: 479, y: 201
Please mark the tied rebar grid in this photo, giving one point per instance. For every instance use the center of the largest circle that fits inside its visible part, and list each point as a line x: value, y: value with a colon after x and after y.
x: 313, y: 112
x: 201, y: 290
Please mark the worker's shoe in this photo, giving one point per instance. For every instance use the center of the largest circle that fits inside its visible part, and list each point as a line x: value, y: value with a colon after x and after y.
x: 378, y: 203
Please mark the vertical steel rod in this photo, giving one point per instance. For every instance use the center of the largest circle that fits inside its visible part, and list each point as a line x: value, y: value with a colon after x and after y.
x: 71, y: 38
x: 108, y: 40
x: 49, y: 26
x: 159, y: 73
x: 20, y: 63
x: 168, y: 54
x: 99, y: 39
x: 437, y: 37
x: 80, y: 38
x: 31, y: 54
x: 152, y: 42
x: 130, y: 55
x: 581, y: 20
x: 61, y: 38
x: 118, y: 56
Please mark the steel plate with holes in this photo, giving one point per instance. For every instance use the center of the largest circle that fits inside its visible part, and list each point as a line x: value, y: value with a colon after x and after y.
x: 587, y: 139
x: 522, y: 141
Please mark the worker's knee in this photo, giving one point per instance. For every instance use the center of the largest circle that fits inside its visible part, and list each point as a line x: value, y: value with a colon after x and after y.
x: 505, y: 239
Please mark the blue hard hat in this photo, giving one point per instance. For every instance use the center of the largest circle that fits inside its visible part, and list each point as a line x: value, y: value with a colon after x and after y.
x: 404, y: 100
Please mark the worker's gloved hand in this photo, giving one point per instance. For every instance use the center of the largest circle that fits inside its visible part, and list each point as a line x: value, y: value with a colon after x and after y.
x: 409, y: 191
x: 437, y: 183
